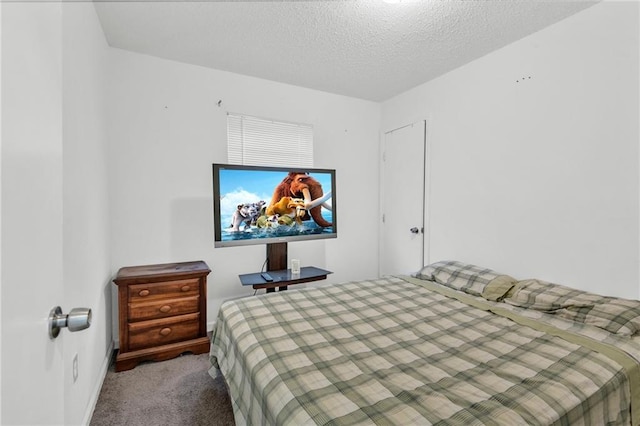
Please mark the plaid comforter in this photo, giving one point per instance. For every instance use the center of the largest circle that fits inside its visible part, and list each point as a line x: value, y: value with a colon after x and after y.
x: 393, y: 352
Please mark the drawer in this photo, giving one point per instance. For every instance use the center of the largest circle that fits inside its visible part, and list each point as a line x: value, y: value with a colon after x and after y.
x: 166, y: 289
x: 152, y: 309
x: 146, y: 334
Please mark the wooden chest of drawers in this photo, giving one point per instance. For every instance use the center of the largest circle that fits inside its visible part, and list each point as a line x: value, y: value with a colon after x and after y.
x: 162, y: 312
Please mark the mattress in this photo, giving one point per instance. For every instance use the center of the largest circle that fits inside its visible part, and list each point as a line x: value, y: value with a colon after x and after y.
x: 402, y: 350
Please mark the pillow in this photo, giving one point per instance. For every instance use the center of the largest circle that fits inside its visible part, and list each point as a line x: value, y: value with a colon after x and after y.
x: 544, y: 296
x: 619, y: 316
x: 468, y: 278
x: 615, y: 315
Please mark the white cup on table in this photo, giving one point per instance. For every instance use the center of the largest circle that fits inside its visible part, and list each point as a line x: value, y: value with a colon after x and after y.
x: 295, y: 266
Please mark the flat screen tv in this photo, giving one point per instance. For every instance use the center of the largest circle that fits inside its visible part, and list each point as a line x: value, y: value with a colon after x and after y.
x: 265, y: 205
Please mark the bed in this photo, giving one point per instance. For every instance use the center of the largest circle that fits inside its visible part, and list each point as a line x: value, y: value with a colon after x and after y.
x: 455, y: 344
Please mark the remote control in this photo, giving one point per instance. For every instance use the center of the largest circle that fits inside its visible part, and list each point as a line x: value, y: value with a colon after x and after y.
x: 266, y: 277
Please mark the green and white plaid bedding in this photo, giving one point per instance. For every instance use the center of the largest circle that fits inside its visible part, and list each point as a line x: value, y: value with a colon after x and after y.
x: 393, y: 352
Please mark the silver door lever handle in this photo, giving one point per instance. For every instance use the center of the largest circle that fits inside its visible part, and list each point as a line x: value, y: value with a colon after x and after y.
x: 76, y: 320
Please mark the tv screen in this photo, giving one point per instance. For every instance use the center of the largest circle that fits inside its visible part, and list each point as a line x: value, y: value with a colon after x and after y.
x: 260, y: 205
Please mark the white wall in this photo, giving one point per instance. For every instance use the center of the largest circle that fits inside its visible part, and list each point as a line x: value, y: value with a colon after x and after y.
x: 165, y: 130
x: 86, y: 266
x: 0, y: 208
x: 534, y: 154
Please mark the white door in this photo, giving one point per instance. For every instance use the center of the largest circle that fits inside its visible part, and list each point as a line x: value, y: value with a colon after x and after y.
x: 32, y: 364
x: 403, y: 200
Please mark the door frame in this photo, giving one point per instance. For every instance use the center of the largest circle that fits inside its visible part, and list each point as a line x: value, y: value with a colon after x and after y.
x: 426, y: 207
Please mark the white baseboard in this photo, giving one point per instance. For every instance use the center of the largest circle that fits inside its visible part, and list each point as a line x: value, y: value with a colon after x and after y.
x: 95, y: 394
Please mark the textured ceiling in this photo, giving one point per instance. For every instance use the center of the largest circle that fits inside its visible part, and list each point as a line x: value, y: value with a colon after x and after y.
x: 366, y: 49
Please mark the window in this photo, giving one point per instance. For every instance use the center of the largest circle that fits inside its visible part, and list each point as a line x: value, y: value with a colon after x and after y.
x: 262, y: 142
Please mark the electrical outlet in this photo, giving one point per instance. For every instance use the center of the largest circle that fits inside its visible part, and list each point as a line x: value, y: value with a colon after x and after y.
x: 75, y: 368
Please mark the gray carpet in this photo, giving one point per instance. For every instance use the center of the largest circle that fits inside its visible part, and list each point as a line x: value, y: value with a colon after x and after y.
x: 176, y: 392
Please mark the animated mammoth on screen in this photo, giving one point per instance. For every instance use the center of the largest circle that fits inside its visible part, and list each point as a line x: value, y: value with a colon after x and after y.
x: 301, y: 185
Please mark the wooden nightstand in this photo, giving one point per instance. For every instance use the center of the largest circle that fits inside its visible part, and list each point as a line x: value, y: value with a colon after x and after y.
x: 162, y: 312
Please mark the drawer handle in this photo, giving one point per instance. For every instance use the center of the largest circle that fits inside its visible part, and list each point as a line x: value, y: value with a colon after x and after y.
x: 164, y: 309
x: 165, y: 331
x: 143, y: 293
x: 185, y: 288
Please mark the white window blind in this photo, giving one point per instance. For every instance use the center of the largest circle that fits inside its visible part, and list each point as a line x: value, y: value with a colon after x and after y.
x: 261, y: 142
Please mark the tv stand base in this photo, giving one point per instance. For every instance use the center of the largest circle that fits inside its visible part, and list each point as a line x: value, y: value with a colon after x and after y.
x: 284, y: 278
